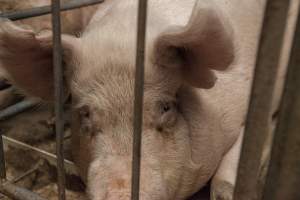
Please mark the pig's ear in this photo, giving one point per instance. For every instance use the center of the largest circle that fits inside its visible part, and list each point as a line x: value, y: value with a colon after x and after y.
x: 27, y: 58
x: 205, y: 44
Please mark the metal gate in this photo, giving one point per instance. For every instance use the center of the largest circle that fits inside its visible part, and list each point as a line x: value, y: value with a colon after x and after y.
x: 283, y: 179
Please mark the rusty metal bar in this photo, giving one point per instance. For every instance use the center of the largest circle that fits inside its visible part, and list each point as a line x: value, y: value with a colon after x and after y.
x: 2, y: 160
x: 16, y: 193
x: 259, y: 113
x: 44, y: 10
x: 59, y: 97
x: 283, y: 179
x: 16, y: 109
x: 138, y: 100
x: 51, y: 158
x: 26, y: 174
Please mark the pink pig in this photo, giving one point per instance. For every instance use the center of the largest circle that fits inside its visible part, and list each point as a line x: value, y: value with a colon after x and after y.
x: 194, y: 106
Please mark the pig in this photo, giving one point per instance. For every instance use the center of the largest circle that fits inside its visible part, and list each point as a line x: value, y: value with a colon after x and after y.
x: 198, y: 69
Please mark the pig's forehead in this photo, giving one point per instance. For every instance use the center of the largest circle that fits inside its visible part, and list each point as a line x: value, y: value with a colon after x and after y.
x: 112, y: 88
x: 104, y: 84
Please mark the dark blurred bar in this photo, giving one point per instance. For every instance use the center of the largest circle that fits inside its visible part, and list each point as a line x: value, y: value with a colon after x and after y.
x: 258, y: 120
x: 138, y: 99
x: 59, y: 97
x: 283, y: 179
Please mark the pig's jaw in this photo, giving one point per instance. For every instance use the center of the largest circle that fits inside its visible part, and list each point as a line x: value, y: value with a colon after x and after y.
x: 122, y: 196
x: 115, y: 183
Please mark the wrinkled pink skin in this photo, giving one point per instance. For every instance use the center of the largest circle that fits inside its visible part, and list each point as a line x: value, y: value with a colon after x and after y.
x: 193, y: 109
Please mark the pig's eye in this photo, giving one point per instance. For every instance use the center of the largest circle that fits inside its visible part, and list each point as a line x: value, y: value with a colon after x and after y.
x: 87, y: 118
x: 84, y: 112
x: 85, y: 121
x: 167, y: 117
x: 167, y: 106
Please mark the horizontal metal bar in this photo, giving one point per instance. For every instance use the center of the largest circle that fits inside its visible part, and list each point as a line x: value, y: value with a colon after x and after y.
x: 259, y: 114
x: 51, y: 158
x: 138, y: 99
x: 16, y: 109
x: 27, y: 173
x: 283, y: 179
x: 44, y: 10
x: 16, y: 193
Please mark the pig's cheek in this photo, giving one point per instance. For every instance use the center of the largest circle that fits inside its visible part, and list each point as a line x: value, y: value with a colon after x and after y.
x: 170, y: 120
x: 86, y: 129
x: 97, y: 188
x: 167, y: 122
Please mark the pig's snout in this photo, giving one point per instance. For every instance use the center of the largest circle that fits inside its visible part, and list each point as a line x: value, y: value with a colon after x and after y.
x: 114, y: 182
x: 119, y: 197
x: 118, y: 189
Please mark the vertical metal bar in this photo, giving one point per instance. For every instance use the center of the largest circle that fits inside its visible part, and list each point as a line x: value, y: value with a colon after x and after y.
x: 283, y: 179
x: 259, y: 113
x: 2, y: 160
x: 138, y: 100
x: 58, y: 85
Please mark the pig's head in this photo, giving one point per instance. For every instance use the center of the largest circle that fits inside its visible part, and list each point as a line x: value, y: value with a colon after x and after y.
x: 99, y: 70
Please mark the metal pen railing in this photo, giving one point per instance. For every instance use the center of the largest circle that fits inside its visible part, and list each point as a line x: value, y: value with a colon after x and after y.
x: 58, y: 97
x: 286, y: 140
x: 259, y: 116
x: 283, y: 179
x: 259, y: 119
x: 138, y: 100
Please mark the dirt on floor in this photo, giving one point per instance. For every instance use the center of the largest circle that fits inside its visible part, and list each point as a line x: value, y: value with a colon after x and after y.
x: 35, y: 127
